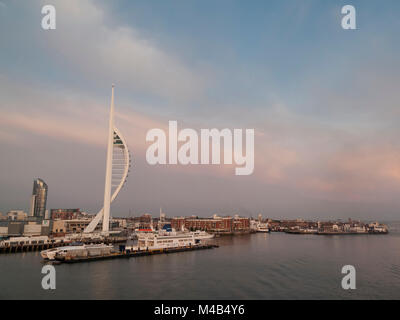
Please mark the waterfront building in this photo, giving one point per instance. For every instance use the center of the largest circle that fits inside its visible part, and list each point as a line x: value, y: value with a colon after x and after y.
x: 119, y: 223
x: 146, y: 221
x: 214, y: 224
x: 18, y: 228
x: 3, y: 232
x: 14, y: 215
x: 32, y: 229
x: 65, y: 214
x: 39, y: 199
x: 59, y: 228
x: 178, y: 223
x: 209, y: 224
x: 241, y: 224
x: 62, y: 227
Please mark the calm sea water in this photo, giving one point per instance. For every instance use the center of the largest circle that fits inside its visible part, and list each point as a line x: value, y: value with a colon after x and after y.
x: 258, y: 266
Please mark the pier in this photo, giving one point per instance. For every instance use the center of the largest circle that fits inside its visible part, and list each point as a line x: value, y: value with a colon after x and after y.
x: 130, y: 254
x: 29, y: 247
x: 16, y: 248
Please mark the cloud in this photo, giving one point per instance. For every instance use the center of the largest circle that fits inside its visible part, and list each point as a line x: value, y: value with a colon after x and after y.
x: 299, y: 157
x: 63, y: 116
x: 336, y: 140
x: 291, y: 151
x: 91, y: 43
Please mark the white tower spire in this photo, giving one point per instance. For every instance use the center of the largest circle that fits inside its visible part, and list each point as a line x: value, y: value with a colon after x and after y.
x: 107, y: 187
x: 117, y: 169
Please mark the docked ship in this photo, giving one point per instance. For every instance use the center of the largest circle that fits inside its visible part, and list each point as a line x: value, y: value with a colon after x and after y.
x: 84, y: 250
x: 262, y: 227
x: 259, y: 226
x: 167, y: 230
x: 50, y: 254
x: 147, y: 241
x: 157, y: 241
x: 168, y: 238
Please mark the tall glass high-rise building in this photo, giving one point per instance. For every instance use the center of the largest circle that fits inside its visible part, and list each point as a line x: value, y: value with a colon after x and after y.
x: 39, y: 198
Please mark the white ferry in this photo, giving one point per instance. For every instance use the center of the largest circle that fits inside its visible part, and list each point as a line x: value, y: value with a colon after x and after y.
x: 262, y: 227
x: 165, y: 239
x: 84, y: 250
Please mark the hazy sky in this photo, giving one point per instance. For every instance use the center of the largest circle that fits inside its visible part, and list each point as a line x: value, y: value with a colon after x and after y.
x: 324, y: 103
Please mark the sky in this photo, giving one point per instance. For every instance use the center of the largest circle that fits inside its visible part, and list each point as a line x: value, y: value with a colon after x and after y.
x: 323, y: 101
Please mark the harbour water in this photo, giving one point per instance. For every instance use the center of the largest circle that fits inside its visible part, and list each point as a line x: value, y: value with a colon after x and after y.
x: 258, y: 266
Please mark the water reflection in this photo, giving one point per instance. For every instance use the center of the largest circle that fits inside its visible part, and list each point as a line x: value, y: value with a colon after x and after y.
x: 258, y: 266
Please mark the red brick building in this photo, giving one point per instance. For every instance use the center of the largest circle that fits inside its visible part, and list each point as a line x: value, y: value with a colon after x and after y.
x: 241, y: 224
x: 178, y: 222
x: 215, y: 224
x: 65, y: 214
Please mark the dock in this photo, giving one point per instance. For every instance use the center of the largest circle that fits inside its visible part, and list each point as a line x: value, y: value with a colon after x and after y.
x: 131, y: 254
